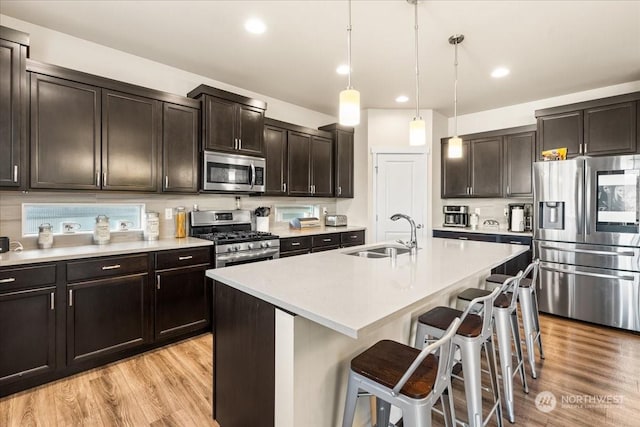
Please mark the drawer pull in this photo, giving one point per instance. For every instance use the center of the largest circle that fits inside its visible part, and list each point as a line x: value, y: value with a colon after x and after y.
x: 515, y: 242
x: 295, y: 244
x: 111, y: 267
x: 354, y: 237
x: 463, y: 238
x: 326, y: 240
x: 184, y: 258
x: 8, y: 280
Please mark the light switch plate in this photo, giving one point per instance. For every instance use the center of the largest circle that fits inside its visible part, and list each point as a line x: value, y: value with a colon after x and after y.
x: 168, y: 213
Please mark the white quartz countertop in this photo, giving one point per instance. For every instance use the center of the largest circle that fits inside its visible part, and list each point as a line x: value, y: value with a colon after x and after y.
x: 349, y: 293
x: 485, y: 230
x: 88, y: 251
x: 285, y: 231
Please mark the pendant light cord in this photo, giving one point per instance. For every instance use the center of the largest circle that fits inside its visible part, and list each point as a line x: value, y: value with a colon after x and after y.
x: 349, y: 47
x: 417, y: 64
x: 455, y: 90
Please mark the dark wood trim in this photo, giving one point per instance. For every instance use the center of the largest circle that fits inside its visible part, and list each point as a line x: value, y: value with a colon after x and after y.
x: 297, y: 128
x: 14, y: 35
x: 629, y: 97
x: 493, y: 133
x: 337, y: 126
x: 106, y: 83
x: 219, y: 93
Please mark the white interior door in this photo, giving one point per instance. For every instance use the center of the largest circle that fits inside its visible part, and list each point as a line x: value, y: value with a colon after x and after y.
x: 400, y: 187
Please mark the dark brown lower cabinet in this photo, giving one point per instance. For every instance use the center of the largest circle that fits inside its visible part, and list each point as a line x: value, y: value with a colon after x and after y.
x: 106, y: 316
x: 292, y: 246
x: 27, y: 334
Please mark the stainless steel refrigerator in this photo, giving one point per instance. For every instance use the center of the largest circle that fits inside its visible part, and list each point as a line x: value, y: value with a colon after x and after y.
x: 587, y: 236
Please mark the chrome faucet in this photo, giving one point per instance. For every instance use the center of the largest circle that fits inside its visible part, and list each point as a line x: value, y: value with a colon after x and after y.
x: 412, y: 244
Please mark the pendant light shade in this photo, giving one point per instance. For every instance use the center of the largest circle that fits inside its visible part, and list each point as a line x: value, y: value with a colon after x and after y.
x: 349, y: 111
x: 454, y: 150
x: 417, y: 135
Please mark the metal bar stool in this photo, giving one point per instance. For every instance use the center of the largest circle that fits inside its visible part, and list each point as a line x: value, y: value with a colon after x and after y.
x: 405, y: 377
x: 529, y: 309
x: 507, y: 329
x: 474, y: 334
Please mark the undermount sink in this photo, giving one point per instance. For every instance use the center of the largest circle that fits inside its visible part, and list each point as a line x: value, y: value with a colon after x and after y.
x: 379, y: 252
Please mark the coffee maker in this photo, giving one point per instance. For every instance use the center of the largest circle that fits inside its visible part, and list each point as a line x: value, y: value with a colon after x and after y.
x: 456, y: 216
x: 520, y: 217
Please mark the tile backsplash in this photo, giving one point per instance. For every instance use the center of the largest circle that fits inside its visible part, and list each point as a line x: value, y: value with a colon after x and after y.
x: 489, y: 209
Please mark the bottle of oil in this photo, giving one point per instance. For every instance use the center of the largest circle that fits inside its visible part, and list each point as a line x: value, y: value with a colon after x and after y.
x: 181, y: 222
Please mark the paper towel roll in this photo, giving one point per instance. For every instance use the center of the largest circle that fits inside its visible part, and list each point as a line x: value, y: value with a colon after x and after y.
x: 262, y: 223
x: 517, y: 219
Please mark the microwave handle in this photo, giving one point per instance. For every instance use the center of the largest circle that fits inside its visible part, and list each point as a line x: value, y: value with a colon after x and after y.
x: 253, y: 175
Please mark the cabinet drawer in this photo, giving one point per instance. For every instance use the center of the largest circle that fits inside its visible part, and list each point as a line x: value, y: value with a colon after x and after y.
x: 352, y: 238
x: 295, y: 243
x: 323, y: 248
x: 105, y: 267
x: 326, y: 240
x: 14, y: 278
x: 515, y: 240
x: 182, y: 258
x: 466, y: 236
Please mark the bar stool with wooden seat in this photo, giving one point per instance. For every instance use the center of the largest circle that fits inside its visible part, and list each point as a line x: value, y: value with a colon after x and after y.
x: 474, y: 334
x: 507, y: 330
x: 528, y: 300
x: 405, y: 377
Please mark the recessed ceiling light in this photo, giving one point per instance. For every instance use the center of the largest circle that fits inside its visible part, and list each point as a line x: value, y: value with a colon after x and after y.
x: 255, y: 26
x: 402, y: 98
x: 500, y: 72
x: 343, y: 69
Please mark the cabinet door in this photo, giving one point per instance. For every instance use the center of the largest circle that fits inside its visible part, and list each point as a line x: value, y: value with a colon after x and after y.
x: 299, y: 163
x: 518, y: 165
x: 455, y: 172
x: 275, y: 150
x: 322, y: 166
x: 219, y: 124
x: 251, y: 130
x: 181, y: 301
x: 344, y: 164
x: 106, y: 316
x: 131, y: 127
x: 27, y: 334
x: 610, y: 129
x: 65, y: 134
x: 486, y: 167
x: 12, y: 122
x: 180, y: 149
x: 561, y: 130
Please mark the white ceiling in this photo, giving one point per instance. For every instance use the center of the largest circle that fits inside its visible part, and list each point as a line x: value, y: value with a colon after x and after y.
x: 552, y: 47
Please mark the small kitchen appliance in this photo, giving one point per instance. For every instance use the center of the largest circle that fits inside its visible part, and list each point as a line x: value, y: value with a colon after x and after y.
x: 333, y: 220
x: 456, y: 216
x: 234, y: 241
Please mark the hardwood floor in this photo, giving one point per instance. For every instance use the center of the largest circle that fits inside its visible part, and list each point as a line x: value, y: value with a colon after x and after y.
x: 172, y: 386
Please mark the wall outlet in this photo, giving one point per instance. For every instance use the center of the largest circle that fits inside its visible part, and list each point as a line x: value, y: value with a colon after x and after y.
x: 168, y: 213
x: 324, y: 210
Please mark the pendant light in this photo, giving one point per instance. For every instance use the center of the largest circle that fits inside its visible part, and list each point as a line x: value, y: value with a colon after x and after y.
x: 417, y: 134
x: 349, y: 98
x: 455, y: 143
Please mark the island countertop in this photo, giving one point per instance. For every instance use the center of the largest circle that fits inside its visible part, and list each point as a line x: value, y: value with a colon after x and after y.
x: 350, y: 293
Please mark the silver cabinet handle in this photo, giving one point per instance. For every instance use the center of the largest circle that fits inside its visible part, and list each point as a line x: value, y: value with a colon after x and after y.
x: 354, y: 237
x: 295, y: 244
x: 239, y: 143
x: 15, y: 173
x: 284, y: 187
x: 508, y: 190
x: 339, y: 191
x: 98, y: 179
x: 463, y: 238
x: 166, y: 181
x: 104, y: 179
x: 9, y: 280
x: 585, y: 148
x: 183, y: 258
x: 158, y: 281
x: 111, y: 267
x: 326, y: 240
x: 52, y: 301
x: 515, y: 242
x: 70, y: 297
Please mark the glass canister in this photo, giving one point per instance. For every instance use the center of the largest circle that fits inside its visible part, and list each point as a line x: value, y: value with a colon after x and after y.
x: 181, y: 222
x: 152, y: 226
x: 45, y: 236
x: 101, y: 231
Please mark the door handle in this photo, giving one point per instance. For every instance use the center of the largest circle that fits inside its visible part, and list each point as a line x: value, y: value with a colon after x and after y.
x: 166, y: 181
x: 158, y: 281
x: 70, y: 297
x: 98, y: 179
x: 15, y: 173
x: 585, y: 273
x: 104, y: 179
x: 253, y: 174
x: 589, y: 252
x: 239, y: 143
x: 339, y: 191
x: 284, y: 187
x: 52, y: 301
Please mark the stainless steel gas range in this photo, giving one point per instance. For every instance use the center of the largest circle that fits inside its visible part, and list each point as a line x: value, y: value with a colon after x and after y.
x: 234, y: 241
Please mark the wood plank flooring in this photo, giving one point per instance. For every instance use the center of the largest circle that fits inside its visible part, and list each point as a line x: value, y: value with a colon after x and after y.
x: 172, y: 386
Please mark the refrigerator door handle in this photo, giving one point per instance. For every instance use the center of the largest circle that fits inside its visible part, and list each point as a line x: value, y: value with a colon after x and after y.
x: 580, y: 203
x: 584, y: 273
x: 589, y: 252
x: 589, y: 192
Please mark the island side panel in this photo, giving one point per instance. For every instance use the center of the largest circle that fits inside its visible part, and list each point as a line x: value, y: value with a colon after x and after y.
x: 244, y: 359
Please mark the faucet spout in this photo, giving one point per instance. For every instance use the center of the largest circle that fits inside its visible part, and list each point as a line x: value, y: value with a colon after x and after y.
x: 413, y: 241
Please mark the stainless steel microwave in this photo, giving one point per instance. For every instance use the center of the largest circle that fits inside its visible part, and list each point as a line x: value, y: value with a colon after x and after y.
x: 233, y: 173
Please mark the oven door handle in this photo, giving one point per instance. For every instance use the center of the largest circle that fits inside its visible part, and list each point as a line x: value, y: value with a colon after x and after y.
x: 253, y: 175
x: 263, y: 253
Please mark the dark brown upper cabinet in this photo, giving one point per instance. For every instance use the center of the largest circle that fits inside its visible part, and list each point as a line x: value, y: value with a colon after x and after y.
x: 343, y: 159
x: 92, y: 133
x: 321, y: 166
x: 601, y: 127
x: 180, y: 136
x: 493, y: 164
x: 13, y: 107
x: 230, y: 122
x: 276, y: 154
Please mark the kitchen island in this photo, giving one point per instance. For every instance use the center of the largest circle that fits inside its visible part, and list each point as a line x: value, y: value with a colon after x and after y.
x: 285, y: 330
